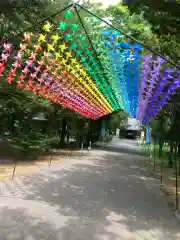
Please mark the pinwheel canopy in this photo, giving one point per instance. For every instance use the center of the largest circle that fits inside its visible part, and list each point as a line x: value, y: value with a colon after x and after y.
x: 76, y: 59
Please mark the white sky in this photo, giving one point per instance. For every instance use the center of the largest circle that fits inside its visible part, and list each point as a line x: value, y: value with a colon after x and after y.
x: 106, y: 3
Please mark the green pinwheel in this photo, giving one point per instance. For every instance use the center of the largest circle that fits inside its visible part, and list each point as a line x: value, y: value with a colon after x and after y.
x: 74, y: 27
x: 62, y: 26
x: 68, y: 37
x: 80, y: 37
x: 73, y: 46
x: 68, y: 14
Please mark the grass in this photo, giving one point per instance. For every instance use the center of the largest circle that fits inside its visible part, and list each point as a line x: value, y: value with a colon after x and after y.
x: 168, y: 173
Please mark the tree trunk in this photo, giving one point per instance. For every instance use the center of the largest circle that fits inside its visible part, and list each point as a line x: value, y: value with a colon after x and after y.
x: 179, y: 156
x: 170, y: 161
x: 68, y: 134
x: 63, y: 132
x: 160, y: 148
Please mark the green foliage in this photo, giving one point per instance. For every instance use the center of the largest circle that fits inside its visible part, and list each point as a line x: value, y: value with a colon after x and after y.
x: 163, y: 18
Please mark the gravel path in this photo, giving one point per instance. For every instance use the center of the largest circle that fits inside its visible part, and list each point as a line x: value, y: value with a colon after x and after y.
x: 106, y: 195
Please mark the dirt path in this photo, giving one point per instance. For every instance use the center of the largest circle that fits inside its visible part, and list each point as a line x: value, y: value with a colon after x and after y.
x: 107, y: 194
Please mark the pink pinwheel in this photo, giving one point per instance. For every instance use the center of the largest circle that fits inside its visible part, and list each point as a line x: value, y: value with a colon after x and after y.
x: 29, y: 63
x: 16, y: 64
x: 5, y: 56
x: 7, y: 46
x: 41, y: 63
x: 26, y: 70
x: 37, y: 69
x: 48, y: 68
x: 23, y: 47
x: 19, y: 55
x: 41, y: 80
x: 34, y: 75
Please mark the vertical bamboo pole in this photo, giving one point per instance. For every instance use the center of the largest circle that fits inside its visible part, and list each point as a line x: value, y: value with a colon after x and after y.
x: 176, y: 170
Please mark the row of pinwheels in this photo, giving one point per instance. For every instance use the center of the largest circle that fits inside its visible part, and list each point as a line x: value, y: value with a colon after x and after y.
x: 143, y: 82
x: 95, y: 79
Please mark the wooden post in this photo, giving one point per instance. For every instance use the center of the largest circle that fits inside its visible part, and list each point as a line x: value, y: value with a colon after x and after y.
x: 154, y: 157
x: 162, y: 166
x: 50, y: 160
x: 70, y: 153
x: 14, y: 169
x: 176, y: 169
x: 82, y: 148
x: 89, y: 148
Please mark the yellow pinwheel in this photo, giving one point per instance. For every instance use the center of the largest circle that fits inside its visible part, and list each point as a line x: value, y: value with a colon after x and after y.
x: 62, y: 47
x: 73, y: 72
x: 50, y: 47
x: 55, y: 38
x: 77, y: 75
x: 57, y: 55
x: 47, y: 27
x: 63, y: 61
x: 78, y: 66
x: 69, y: 68
x: 73, y: 61
x: 42, y: 38
x: 68, y: 54
x: 81, y: 80
x: 83, y: 72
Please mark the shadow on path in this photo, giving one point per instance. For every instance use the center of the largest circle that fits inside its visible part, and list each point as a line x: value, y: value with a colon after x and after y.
x: 105, y: 195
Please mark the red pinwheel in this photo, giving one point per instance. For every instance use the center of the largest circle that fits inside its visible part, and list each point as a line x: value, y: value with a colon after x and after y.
x: 10, y: 79
x: 37, y: 48
x: 33, y: 56
x: 1, y: 68
x: 19, y: 84
x: 53, y: 61
x: 27, y: 36
x: 48, y: 68
x: 12, y: 72
x: 30, y: 82
x: 22, y: 77
x: 44, y: 88
x: 34, y: 89
x: 27, y: 87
